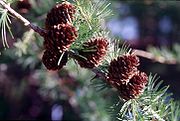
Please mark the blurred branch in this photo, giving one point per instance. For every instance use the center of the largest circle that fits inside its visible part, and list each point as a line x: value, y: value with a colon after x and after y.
x: 37, y: 29
x: 151, y: 56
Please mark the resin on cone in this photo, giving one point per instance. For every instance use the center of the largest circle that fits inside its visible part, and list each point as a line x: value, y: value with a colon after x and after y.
x: 51, y: 58
x: 60, y: 37
x: 59, y: 14
x: 122, y: 69
x: 93, y: 52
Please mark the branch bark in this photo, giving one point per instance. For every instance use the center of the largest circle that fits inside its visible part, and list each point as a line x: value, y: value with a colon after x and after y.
x: 37, y: 29
x: 151, y: 56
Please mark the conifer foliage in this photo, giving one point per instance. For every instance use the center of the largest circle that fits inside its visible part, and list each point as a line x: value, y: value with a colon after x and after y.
x: 74, y: 31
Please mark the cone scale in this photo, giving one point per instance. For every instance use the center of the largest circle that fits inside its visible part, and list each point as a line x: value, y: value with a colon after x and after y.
x: 60, y: 14
x: 93, y: 52
x: 60, y: 37
x: 51, y: 60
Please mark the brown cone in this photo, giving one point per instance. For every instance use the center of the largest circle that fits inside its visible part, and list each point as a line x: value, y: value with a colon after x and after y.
x: 93, y: 52
x: 59, y: 14
x: 134, y: 87
x: 122, y: 69
x: 51, y: 58
x: 60, y: 37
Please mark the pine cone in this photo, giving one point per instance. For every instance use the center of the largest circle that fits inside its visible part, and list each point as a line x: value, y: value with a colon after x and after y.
x: 23, y: 6
x: 60, y: 37
x: 51, y: 58
x: 134, y: 87
x: 122, y: 69
x: 93, y: 51
x: 59, y: 14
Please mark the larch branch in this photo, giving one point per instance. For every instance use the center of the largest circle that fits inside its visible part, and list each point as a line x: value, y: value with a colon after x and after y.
x: 37, y: 29
x: 151, y: 56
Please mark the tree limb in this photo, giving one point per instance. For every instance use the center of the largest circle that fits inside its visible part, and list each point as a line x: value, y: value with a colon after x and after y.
x: 37, y: 29
x: 151, y: 56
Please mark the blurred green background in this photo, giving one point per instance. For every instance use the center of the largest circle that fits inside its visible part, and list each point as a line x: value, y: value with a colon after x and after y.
x: 29, y: 91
